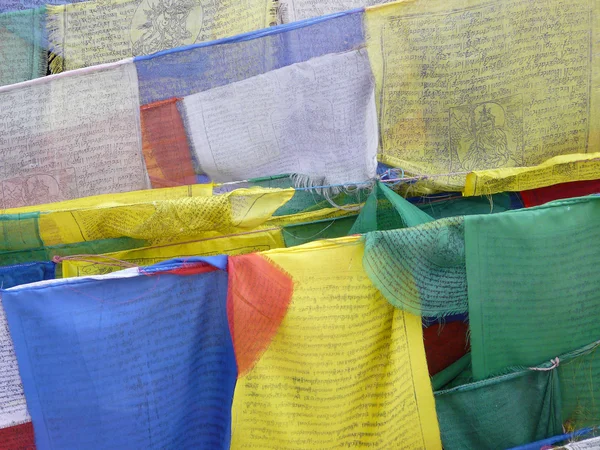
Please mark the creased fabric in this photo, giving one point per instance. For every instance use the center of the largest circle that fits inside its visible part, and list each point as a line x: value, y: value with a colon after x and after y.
x: 315, y: 119
x: 186, y: 71
x: 141, y: 350
x: 420, y: 269
x: 335, y: 372
x: 71, y: 136
x: 534, y: 269
x: 468, y: 86
x: 16, y: 430
x: 500, y: 413
x: 165, y: 146
x: 91, y: 33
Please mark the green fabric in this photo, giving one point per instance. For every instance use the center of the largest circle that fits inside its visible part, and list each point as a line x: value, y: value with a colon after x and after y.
x: 580, y: 388
x: 80, y: 248
x: 533, y: 283
x: 19, y: 232
x: 375, y: 214
x: 447, y: 377
x: 466, y: 206
x: 322, y: 229
x: 306, y: 200
x: 420, y: 269
x: 501, y: 412
x: 23, y: 55
x: 383, y: 209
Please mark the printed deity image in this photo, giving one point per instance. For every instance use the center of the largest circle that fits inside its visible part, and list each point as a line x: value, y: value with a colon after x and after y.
x: 487, y: 135
x: 39, y: 188
x: 160, y: 24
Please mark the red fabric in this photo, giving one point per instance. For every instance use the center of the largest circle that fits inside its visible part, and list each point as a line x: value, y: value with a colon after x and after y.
x: 258, y: 299
x: 165, y: 146
x: 19, y: 437
x: 192, y: 268
x: 543, y: 195
x: 445, y: 344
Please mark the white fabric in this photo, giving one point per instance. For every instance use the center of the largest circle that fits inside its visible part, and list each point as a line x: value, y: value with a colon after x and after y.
x: 71, y: 136
x: 315, y: 118
x: 588, y: 444
x: 13, y: 409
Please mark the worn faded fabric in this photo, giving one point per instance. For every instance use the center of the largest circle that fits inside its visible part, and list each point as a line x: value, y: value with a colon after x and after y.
x: 293, y: 10
x: 420, y: 269
x: 315, y: 119
x: 16, y: 5
x: 256, y: 241
x: 154, y: 216
x: 187, y: 70
x: 165, y: 145
x: 71, y: 136
x: 91, y: 33
x: 23, y: 49
x: 471, y: 86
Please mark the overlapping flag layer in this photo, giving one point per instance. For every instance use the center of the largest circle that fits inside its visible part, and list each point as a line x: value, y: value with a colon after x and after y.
x: 299, y: 225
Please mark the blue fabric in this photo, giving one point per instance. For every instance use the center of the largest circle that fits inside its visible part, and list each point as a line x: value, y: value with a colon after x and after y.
x: 186, y: 70
x: 555, y: 440
x: 11, y: 276
x: 139, y: 362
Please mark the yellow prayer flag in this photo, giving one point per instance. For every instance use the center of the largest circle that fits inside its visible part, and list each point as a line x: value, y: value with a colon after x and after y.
x: 344, y: 367
x: 91, y: 33
x: 229, y: 245
x: 472, y: 85
x: 560, y: 169
x: 180, y: 216
x: 123, y: 198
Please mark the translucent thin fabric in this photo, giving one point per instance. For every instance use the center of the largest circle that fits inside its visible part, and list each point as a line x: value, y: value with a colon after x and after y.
x: 316, y: 119
x: 469, y: 86
x: 95, y: 130
x: 90, y: 33
x: 420, y: 269
x: 71, y: 136
x: 498, y: 116
x: 23, y: 52
x: 341, y: 335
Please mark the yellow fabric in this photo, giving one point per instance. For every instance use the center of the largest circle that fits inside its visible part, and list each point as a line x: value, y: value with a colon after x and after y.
x: 230, y: 245
x: 311, y: 216
x: 469, y: 85
x: 162, y: 221
x: 560, y: 169
x: 91, y: 33
x: 124, y: 198
x: 345, y: 367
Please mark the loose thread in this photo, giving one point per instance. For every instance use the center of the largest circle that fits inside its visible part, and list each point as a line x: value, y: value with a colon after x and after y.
x: 555, y: 363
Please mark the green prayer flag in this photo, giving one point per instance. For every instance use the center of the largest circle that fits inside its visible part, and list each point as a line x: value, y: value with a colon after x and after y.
x: 533, y: 286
